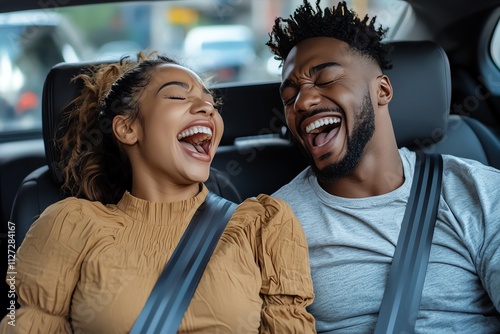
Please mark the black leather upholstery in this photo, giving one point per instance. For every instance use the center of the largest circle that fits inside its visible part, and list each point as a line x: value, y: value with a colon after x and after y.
x: 420, y: 108
x: 262, y: 163
x: 37, y: 191
x: 17, y: 159
x: 421, y: 84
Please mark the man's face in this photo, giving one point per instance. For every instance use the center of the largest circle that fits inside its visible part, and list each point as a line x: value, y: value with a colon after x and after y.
x: 328, y: 104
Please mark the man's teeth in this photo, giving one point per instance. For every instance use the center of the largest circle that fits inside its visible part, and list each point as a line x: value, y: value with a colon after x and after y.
x: 321, y: 122
x: 194, y: 130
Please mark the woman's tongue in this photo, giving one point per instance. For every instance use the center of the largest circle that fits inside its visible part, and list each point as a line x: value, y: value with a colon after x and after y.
x: 193, y: 147
x: 324, y: 137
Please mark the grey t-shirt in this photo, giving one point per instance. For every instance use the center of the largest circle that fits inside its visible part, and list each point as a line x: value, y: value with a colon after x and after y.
x: 352, y: 242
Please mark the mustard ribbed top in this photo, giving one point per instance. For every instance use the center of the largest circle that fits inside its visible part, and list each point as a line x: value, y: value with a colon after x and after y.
x: 89, y: 268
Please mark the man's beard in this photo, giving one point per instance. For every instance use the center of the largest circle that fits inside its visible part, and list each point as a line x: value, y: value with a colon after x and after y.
x: 361, y: 135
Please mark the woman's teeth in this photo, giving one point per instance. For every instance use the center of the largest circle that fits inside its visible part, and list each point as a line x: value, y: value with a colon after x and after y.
x: 195, y: 130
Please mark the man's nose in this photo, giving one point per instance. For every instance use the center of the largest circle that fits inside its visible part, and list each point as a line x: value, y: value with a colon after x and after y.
x: 307, y: 98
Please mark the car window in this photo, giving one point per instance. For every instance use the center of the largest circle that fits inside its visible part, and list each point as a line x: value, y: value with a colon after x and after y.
x: 30, y: 44
x: 225, y: 40
x: 495, y: 45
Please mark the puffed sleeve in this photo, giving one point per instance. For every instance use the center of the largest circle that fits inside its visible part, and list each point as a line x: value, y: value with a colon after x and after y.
x: 47, y: 270
x: 281, y: 251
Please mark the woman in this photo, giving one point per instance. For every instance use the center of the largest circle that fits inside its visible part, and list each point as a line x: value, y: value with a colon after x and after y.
x: 89, y: 262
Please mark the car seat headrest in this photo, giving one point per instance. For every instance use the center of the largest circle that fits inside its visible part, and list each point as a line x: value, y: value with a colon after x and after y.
x: 421, y: 82
x: 58, y: 91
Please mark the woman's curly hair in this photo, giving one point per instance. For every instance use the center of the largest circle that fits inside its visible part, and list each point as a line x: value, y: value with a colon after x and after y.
x: 340, y: 23
x: 93, y: 165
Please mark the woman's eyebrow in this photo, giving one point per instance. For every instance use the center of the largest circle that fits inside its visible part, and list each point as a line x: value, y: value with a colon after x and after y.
x: 175, y: 83
x: 180, y: 84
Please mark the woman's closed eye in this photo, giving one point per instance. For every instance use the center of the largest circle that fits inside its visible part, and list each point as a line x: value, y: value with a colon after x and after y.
x: 177, y: 97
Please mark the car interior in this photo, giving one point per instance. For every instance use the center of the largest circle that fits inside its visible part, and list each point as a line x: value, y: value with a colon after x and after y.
x: 444, y: 102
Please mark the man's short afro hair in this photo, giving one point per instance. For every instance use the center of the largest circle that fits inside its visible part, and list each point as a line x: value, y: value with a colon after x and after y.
x: 341, y: 23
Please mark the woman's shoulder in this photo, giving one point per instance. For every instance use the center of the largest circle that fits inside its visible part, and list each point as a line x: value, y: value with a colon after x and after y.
x: 269, y: 213
x: 264, y: 206
x: 72, y: 202
x: 73, y: 207
x: 279, y: 243
x: 73, y: 214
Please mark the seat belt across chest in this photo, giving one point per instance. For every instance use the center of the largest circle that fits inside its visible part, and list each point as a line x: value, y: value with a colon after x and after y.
x: 401, y: 300
x: 170, y: 297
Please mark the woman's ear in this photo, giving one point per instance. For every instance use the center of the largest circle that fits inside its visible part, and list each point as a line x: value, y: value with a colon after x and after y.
x: 124, y: 130
x: 384, y: 93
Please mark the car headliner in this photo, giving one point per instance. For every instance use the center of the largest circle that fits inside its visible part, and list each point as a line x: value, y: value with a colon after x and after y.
x: 441, y: 17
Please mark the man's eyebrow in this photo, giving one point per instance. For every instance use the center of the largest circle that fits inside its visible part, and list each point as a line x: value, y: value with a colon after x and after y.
x: 314, y: 70
x: 318, y: 68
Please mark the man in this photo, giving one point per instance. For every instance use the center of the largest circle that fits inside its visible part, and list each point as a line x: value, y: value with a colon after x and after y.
x: 336, y: 98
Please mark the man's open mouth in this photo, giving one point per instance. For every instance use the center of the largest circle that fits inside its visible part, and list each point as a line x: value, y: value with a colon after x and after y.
x: 196, y: 139
x: 322, y: 130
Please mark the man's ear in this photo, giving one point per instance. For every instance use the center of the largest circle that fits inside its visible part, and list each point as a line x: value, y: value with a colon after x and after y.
x: 124, y: 130
x: 384, y: 93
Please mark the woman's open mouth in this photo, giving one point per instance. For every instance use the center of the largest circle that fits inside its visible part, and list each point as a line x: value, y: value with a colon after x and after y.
x: 196, y: 139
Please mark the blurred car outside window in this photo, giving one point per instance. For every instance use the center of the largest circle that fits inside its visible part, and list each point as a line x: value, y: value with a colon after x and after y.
x: 30, y: 44
x: 223, y: 50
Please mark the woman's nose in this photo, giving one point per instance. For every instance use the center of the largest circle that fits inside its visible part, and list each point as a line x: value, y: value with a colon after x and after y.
x: 203, y: 106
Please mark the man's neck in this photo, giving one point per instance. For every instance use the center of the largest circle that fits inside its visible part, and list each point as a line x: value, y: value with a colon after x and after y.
x: 376, y: 174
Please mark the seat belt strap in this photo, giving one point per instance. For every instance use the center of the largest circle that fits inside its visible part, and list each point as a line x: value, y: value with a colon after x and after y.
x: 401, y: 300
x: 172, y: 293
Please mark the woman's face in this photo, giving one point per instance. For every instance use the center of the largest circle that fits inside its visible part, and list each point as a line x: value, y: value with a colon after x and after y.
x: 178, y: 128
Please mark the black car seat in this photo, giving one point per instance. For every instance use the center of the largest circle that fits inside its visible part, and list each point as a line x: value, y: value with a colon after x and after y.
x: 420, y: 108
